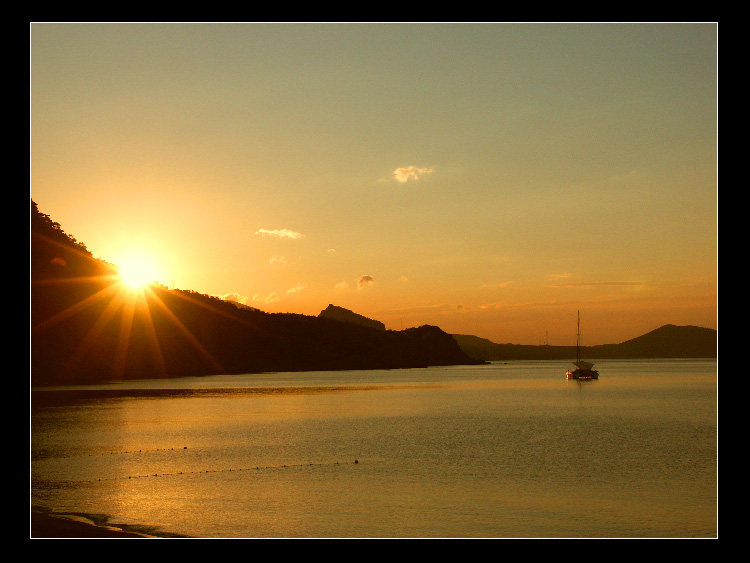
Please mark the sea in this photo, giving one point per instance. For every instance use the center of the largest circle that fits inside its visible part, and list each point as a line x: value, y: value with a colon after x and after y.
x: 503, y: 450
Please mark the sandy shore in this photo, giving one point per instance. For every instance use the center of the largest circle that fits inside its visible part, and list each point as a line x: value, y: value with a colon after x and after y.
x: 71, y: 526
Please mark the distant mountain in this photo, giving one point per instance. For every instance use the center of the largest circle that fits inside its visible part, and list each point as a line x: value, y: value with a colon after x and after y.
x: 84, y: 329
x: 669, y: 341
x: 484, y: 349
x: 347, y: 316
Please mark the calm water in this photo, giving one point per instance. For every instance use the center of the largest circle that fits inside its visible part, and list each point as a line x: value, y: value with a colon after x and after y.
x: 504, y: 450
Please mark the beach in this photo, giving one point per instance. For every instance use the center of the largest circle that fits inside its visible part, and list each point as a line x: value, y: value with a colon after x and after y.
x: 70, y: 526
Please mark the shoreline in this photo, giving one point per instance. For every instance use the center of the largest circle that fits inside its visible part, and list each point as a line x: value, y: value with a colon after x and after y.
x: 43, y: 525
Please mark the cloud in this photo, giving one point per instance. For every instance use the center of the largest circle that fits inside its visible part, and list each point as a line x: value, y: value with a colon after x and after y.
x: 407, y: 173
x: 364, y: 281
x: 279, y: 233
x: 601, y: 284
x: 296, y: 289
x: 234, y: 297
x: 561, y: 281
x: 418, y: 310
x: 270, y: 298
x: 343, y: 285
x: 277, y: 260
x: 499, y: 285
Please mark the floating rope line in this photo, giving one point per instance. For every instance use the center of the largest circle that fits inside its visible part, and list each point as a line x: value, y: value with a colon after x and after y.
x: 256, y: 468
x: 141, y: 451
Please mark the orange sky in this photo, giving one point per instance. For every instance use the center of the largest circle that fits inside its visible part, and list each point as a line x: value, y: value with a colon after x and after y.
x: 491, y: 179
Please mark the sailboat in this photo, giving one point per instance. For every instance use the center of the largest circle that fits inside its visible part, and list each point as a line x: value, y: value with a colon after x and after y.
x: 583, y: 370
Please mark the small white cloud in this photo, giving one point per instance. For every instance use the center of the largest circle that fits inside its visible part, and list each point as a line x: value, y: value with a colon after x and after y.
x: 407, y: 173
x: 277, y: 260
x: 404, y: 279
x: 270, y: 298
x: 279, y: 233
x: 364, y: 281
x: 296, y: 289
x: 343, y: 285
x: 234, y: 297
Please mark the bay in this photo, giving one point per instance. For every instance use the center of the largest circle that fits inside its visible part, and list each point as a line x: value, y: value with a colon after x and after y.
x: 501, y: 450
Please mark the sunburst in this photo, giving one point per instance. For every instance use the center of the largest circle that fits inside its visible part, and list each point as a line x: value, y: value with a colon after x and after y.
x: 137, y: 271
x: 127, y: 301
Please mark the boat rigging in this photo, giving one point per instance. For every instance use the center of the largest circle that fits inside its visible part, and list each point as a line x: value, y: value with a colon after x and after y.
x: 583, y: 370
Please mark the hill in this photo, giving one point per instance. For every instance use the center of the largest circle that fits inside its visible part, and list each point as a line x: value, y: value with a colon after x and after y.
x: 84, y: 328
x: 668, y: 341
x: 347, y: 316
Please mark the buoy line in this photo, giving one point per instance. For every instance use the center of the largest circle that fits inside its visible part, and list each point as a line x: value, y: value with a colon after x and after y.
x: 141, y: 451
x: 256, y: 468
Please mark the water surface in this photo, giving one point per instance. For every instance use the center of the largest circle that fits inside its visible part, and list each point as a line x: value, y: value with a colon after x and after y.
x: 503, y: 450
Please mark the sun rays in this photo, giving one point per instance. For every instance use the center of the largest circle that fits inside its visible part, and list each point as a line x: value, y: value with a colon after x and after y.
x: 137, y: 270
x: 121, y: 330
x: 96, y: 320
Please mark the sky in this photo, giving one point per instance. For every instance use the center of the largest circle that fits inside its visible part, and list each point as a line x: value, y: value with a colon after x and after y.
x: 488, y: 178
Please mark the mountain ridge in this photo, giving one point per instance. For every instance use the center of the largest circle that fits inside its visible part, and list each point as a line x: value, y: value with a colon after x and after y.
x: 667, y: 341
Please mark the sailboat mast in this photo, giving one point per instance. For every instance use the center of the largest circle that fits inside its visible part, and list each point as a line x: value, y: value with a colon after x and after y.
x: 578, y: 339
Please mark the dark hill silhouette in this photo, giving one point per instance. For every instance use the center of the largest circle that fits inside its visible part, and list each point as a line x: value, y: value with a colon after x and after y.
x: 347, y: 316
x: 83, y: 328
x: 668, y: 341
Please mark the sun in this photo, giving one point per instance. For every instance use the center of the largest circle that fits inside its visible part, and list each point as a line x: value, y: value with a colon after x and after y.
x: 137, y: 271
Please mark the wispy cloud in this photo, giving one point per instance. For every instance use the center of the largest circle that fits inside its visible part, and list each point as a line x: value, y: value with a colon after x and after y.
x: 406, y: 173
x: 234, y: 297
x: 277, y: 260
x: 526, y: 305
x: 297, y: 288
x: 499, y: 285
x: 560, y: 280
x: 601, y: 284
x: 270, y: 298
x: 364, y: 281
x: 279, y: 233
x: 436, y: 309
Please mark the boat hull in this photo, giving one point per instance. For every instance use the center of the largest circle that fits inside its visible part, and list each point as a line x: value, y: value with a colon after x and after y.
x: 582, y: 374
